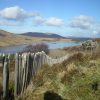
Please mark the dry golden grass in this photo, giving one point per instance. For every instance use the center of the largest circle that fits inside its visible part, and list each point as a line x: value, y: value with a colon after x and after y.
x: 72, y: 79
x: 98, y: 40
x: 72, y: 49
x: 57, y: 53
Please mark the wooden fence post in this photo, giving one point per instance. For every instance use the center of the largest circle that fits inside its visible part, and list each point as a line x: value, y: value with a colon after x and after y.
x: 24, y: 64
x: 5, y: 79
x: 33, y: 65
x: 16, y: 74
x: 20, y: 74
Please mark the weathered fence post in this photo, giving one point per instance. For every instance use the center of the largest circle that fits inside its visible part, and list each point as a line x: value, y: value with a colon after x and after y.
x: 33, y: 64
x: 16, y: 74
x: 24, y: 64
x: 28, y: 69
x: 20, y: 73
x: 5, y: 79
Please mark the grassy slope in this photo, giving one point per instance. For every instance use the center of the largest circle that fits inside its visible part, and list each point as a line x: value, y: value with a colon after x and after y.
x: 78, y: 78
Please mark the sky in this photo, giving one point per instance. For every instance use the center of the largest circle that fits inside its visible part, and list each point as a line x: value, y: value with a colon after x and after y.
x: 80, y: 18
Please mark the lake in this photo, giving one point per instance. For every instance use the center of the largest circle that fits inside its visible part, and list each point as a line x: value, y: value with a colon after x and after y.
x: 52, y: 45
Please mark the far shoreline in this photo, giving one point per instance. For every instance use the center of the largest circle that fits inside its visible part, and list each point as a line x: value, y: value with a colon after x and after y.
x: 37, y: 42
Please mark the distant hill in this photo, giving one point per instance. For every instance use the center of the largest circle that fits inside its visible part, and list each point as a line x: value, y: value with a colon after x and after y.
x: 5, y: 34
x: 78, y: 38
x: 43, y: 35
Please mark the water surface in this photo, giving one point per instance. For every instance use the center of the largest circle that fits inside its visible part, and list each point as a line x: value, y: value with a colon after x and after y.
x: 52, y: 45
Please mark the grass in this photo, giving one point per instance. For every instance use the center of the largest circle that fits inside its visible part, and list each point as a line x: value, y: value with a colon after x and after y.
x: 77, y: 78
x: 57, y: 53
x: 82, y: 80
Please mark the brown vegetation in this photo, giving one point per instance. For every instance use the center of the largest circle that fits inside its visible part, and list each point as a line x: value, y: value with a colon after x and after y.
x: 72, y: 49
x: 74, y: 78
x: 37, y: 48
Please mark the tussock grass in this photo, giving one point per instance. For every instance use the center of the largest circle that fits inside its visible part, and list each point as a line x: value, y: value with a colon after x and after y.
x: 77, y: 78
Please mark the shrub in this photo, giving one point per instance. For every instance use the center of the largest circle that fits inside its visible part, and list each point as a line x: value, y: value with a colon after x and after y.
x: 37, y: 48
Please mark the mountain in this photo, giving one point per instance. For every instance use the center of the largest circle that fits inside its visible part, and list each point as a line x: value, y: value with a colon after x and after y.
x: 78, y: 38
x: 42, y: 35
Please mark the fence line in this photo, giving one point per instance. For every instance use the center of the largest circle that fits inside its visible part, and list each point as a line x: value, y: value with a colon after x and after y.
x: 26, y: 66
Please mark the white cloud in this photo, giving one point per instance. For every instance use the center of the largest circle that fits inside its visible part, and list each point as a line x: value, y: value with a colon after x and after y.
x: 16, y: 13
x: 38, y: 20
x: 53, y: 21
x: 8, y: 23
x: 82, y: 22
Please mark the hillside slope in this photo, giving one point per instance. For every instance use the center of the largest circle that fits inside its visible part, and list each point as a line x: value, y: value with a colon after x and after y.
x: 5, y: 33
x: 40, y: 34
x: 7, y: 39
